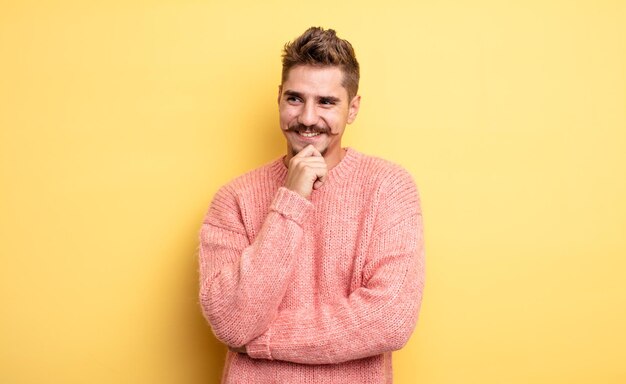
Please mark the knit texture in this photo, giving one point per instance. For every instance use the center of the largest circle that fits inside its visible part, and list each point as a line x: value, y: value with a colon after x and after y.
x: 317, y: 290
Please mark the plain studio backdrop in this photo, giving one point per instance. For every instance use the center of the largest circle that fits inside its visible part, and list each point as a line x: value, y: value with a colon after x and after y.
x: 120, y: 119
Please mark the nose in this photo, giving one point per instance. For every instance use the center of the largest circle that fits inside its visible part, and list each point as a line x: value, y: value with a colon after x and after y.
x: 308, y: 115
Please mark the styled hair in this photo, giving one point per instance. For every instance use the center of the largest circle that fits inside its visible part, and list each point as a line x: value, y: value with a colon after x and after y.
x: 322, y: 48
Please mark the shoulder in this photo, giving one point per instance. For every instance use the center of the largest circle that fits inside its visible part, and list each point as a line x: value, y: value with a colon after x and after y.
x: 385, y: 174
x: 255, y: 179
x: 227, y: 202
x: 394, y: 186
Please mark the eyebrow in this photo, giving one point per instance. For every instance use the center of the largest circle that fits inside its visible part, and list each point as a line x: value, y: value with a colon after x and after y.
x: 332, y: 99
x: 293, y: 93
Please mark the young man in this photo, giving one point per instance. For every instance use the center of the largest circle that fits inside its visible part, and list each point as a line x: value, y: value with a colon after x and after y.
x: 312, y: 266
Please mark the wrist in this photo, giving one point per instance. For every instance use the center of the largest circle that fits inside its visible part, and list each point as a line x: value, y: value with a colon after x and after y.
x: 291, y: 205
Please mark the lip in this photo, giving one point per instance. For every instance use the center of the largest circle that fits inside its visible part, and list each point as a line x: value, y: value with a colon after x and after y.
x: 308, y: 139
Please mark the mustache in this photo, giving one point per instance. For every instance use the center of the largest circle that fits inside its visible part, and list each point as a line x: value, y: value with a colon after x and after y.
x: 310, y: 128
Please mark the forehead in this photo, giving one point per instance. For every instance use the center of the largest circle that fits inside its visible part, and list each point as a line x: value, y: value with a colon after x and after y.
x: 317, y: 81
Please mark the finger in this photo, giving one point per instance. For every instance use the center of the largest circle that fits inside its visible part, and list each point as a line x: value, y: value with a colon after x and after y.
x: 307, y: 151
x: 321, y: 177
x: 316, y: 153
x: 308, y: 167
x: 319, y: 169
x: 320, y: 172
x: 312, y: 161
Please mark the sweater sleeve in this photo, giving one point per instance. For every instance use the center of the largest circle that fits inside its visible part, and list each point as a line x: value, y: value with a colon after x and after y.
x: 377, y: 317
x: 242, y: 283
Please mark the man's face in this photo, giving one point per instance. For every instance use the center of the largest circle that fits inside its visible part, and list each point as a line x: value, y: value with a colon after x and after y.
x: 314, y: 109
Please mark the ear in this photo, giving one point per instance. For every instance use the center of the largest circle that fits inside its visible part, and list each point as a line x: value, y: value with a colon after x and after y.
x: 280, y: 91
x: 353, y: 108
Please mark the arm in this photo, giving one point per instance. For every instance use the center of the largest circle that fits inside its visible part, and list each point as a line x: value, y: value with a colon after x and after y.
x: 377, y: 317
x: 242, y: 284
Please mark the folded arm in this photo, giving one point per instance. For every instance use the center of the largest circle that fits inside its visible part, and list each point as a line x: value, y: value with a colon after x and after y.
x: 243, y: 283
x: 377, y: 317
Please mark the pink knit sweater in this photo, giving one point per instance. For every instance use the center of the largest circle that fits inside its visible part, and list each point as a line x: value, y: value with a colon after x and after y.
x: 318, y: 290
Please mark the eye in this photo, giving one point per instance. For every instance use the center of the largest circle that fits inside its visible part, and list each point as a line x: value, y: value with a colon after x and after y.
x: 326, y: 101
x: 293, y: 99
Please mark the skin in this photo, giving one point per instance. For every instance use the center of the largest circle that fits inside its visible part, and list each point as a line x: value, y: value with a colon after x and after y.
x: 313, y: 100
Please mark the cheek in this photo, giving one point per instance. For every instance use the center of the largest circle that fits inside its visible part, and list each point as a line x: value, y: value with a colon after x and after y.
x: 334, y: 123
x: 286, y: 117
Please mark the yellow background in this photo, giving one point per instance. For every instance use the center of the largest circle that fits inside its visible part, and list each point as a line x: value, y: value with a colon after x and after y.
x: 119, y: 121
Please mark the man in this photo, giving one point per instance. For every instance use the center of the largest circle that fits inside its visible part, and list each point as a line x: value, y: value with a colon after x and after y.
x: 311, y: 267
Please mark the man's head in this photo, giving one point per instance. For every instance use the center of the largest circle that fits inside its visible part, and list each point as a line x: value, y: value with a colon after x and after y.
x: 318, y: 94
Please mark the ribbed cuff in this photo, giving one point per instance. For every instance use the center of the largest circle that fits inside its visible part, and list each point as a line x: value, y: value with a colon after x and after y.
x: 291, y: 205
x: 259, y: 348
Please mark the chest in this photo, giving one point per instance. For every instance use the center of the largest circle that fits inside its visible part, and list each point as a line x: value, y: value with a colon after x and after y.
x: 330, y: 257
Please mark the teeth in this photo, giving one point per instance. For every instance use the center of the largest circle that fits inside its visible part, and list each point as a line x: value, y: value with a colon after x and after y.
x: 309, y: 134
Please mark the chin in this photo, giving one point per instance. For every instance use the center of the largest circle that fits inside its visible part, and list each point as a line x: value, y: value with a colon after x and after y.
x: 295, y: 149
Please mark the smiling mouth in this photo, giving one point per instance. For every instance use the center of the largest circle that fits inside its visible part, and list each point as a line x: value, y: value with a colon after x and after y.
x: 307, y: 131
x: 308, y: 134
